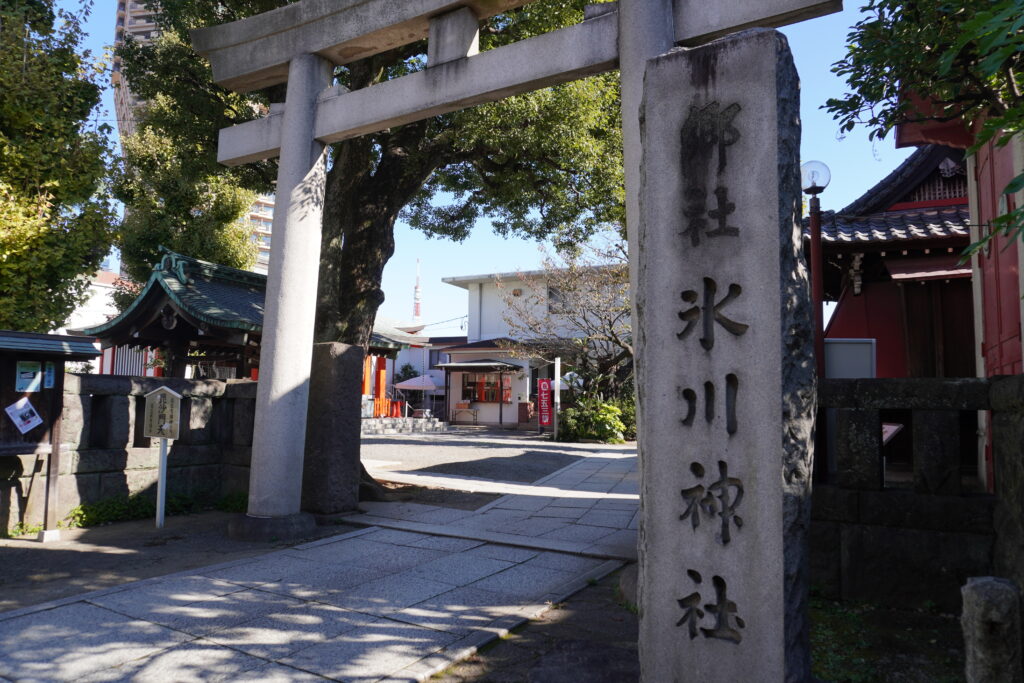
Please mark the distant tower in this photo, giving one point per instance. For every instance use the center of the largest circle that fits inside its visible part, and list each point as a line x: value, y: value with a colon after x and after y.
x: 417, y: 297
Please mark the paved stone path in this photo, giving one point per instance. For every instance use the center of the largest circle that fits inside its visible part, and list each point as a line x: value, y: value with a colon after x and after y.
x: 399, y: 600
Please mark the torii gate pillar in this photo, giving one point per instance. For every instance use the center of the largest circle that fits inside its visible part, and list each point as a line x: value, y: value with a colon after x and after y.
x: 275, y: 484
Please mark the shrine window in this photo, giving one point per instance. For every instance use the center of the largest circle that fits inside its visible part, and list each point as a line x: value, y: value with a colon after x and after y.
x: 482, y: 387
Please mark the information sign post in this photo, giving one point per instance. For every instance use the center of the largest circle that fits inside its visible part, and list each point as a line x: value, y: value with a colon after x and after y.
x: 543, y: 404
x: 162, y: 420
x: 557, y: 392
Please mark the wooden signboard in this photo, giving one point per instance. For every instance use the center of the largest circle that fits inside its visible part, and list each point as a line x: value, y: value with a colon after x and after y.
x: 163, y: 414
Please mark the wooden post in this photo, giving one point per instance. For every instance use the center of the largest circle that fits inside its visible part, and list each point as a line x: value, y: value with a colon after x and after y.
x: 51, y: 517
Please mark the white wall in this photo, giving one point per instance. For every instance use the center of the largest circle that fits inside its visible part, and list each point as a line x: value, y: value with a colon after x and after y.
x: 97, y: 309
x: 488, y: 308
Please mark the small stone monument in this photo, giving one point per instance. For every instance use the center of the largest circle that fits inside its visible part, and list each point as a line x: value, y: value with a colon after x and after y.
x: 991, y: 623
x: 726, y: 377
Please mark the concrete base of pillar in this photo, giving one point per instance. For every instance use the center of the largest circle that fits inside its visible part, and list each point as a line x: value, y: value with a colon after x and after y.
x: 48, y: 536
x: 269, y: 529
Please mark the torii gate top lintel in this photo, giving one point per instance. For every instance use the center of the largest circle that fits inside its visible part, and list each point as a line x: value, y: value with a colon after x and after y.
x: 254, y: 53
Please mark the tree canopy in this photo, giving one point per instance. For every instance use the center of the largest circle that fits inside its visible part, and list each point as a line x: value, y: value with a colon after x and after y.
x: 545, y: 164
x: 56, y: 225
x: 177, y: 203
x: 964, y: 57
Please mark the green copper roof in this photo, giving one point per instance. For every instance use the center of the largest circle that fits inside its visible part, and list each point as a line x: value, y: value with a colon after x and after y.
x: 210, y: 293
x: 215, y: 295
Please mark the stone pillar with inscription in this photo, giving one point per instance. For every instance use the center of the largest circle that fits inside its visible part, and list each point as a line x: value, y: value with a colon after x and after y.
x: 725, y: 366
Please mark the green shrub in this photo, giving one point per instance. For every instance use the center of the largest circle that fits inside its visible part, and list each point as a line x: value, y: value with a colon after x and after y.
x: 126, y: 508
x: 233, y: 502
x: 628, y: 417
x: 591, y: 419
x: 21, y: 529
x: 116, y: 509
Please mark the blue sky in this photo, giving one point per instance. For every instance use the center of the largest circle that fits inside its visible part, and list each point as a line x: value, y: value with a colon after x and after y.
x: 856, y: 164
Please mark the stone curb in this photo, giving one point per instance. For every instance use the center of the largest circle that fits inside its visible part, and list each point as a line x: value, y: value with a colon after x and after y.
x: 555, y: 545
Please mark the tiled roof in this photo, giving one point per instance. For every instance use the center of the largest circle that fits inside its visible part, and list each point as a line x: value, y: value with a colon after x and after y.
x: 47, y: 345
x: 896, y: 226
x: 905, y: 177
x: 213, y: 294
x: 216, y: 295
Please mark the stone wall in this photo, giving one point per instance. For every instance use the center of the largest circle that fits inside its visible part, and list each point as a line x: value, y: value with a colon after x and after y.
x: 105, y: 455
x: 899, y: 547
x: 917, y: 541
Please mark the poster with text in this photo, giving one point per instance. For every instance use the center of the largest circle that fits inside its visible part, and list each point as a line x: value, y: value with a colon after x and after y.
x: 24, y: 415
x: 50, y: 376
x: 29, y: 376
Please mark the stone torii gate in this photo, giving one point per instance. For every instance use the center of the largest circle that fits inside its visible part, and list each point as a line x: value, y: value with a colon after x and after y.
x: 724, y: 480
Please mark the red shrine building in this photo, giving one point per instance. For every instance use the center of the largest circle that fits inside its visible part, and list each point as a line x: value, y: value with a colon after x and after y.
x: 893, y: 265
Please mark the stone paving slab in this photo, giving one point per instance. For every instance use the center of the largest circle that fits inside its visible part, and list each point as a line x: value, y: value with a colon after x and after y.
x: 397, y: 601
x: 75, y: 640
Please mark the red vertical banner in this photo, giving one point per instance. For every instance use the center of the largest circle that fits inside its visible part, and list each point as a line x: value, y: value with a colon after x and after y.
x: 544, y: 402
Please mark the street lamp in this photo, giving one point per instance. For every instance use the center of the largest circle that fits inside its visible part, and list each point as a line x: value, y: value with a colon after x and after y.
x: 814, y: 178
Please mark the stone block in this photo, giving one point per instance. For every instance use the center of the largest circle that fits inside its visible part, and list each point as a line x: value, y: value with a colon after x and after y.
x: 909, y: 510
x: 330, y: 479
x: 724, y: 369
x: 236, y: 455
x: 78, y: 489
x: 74, y: 425
x: 243, y: 415
x: 113, y: 484
x: 14, y: 467
x: 1007, y: 394
x: 240, y: 389
x: 991, y: 623
x: 104, y: 385
x: 916, y: 393
x: 120, y: 421
x: 1007, y: 437
x: 233, y: 479
x: 453, y: 35
x: 72, y: 383
x: 835, y: 504
x: 910, y: 567
x: 825, y: 558
x: 936, y: 436
x: 143, y: 458
x: 182, y: 455
x: 99, y: 460
x: 858, y: 449
x: 197, y: 421
x: 141, y: 481
x: 12, y: 499
x: 201, y: 481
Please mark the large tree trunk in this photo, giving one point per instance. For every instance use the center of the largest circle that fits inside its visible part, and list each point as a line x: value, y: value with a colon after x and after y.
x: 362, y: 203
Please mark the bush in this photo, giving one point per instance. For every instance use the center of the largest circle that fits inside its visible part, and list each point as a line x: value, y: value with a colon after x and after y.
x: 591, y: 419
x: 233, y: 502
x: 125, y: 508
x: 628, y: 417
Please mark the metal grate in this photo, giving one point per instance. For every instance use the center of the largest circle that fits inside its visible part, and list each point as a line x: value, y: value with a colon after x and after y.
x: 937, y: 187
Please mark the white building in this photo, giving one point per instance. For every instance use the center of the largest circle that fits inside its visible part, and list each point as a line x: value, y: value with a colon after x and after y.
x: 486, y: 382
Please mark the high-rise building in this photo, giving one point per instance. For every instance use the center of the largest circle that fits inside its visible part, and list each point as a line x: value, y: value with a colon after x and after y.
x: 133, y: 19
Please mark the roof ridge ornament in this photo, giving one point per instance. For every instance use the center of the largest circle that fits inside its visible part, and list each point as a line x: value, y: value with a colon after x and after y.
x: 175, y: 264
